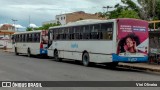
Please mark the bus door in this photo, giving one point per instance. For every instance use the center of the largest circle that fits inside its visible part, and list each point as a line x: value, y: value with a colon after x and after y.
x: 50, y: 37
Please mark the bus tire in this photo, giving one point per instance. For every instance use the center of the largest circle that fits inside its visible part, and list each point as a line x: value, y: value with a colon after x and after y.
x: 15, y: 50
x: 29, y: 52
x: 85, y: 59
x: 56, y: 56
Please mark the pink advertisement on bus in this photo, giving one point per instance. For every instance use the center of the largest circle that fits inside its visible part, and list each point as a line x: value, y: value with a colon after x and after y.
x: 132, y: 37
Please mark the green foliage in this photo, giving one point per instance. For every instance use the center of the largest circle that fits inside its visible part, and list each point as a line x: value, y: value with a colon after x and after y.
x: 43, y: 27
x: 128, y: 14
x: 130, y: 5
x: 124, y: 11
x: 143, y: 9
x: 147, y: 9
x: 103, y: 15
x: 29, y: 29
x: 157, y: 11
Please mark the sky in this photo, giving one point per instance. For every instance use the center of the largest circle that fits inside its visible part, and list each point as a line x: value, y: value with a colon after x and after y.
x: 45, y: 10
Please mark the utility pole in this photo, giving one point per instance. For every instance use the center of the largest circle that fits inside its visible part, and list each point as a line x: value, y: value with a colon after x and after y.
x: 105, y: 14
x: 107, y: 7
x: 14, y: 21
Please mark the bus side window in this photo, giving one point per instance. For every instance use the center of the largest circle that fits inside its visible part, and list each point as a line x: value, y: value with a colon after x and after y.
x: 94, y: 31
x: 107, y: 29
x: 22, y: 38
x: 38, y: 37
x: 66, y: 32
x: 17, y: 38
x: 71, y: 35
x: 26, y: 38
x: 33, y: 37
x: 86, y: 32
x: 30, y: 37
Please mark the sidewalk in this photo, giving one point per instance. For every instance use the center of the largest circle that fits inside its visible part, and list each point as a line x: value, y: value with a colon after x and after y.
x: 143, y: 66
x: 8, y: 50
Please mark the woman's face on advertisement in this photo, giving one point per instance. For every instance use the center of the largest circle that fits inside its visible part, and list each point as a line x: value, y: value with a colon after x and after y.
x: 129, y: 42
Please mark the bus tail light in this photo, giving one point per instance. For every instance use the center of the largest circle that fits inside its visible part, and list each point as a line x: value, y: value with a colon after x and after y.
x: 41, y: 45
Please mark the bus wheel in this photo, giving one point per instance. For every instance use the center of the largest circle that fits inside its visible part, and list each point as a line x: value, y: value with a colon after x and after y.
x: 15, y: 50
x: 29, y: 52
x: 85, y: 59
x: 56, y: 57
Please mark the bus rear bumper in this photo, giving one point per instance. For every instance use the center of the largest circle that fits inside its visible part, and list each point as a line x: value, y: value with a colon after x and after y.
x: 43, y: 51
x: 117, y: 58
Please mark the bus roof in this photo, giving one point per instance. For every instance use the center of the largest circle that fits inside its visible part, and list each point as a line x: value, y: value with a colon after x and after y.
x: 91, y: 21
x: 84, y: 22
x: 28, y: 32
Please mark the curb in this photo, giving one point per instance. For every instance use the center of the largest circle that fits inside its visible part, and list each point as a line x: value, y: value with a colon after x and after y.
x: 138, y: 67
x: 9, y: 50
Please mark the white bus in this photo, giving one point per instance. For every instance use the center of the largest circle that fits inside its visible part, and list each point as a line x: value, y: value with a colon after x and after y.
x: 100, y: 41
x: 30, y: 42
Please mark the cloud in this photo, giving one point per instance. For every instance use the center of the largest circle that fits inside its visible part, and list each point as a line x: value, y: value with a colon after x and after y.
x: 19, y: 26
x: 46, y: 10
x: 1, y: 25
x: 33, y: 25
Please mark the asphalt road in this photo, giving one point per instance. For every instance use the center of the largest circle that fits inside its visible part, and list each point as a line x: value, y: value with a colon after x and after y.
x: 23, y: 68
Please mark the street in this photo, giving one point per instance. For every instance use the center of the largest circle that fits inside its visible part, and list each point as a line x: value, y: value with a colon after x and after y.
x: 23, y: 68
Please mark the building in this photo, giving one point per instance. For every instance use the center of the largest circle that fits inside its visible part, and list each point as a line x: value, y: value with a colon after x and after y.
x: 6, y: 30
x: 49, y: 22
x: 7, y: 27
x: 76, y: 16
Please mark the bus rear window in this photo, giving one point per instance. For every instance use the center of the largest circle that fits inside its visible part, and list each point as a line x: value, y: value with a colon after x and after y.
x: 44, y: 39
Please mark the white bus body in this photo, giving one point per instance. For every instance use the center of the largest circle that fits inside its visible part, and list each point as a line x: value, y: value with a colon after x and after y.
x: 99, y: 50
x: 30, y: 43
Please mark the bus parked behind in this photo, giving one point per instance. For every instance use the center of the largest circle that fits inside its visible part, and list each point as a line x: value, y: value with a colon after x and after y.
x: 30, y: 42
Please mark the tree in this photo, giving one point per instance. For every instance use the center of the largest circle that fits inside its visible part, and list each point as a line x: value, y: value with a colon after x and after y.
x: 128, y: 14
x: 103, y: 15
x: 146, y: 9
x: 124, y: 11
x: 115, y: 13
x: 130, y: 5
x: 29, y: 29
x: 46, y: 26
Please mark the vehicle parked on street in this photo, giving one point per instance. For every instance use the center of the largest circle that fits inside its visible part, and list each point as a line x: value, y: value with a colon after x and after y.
x: 30, y: 42
x: 100, y: 41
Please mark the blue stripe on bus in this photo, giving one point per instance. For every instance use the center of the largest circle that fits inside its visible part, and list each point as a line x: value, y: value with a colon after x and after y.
x: 43, y: 51
x: 116, y: 58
